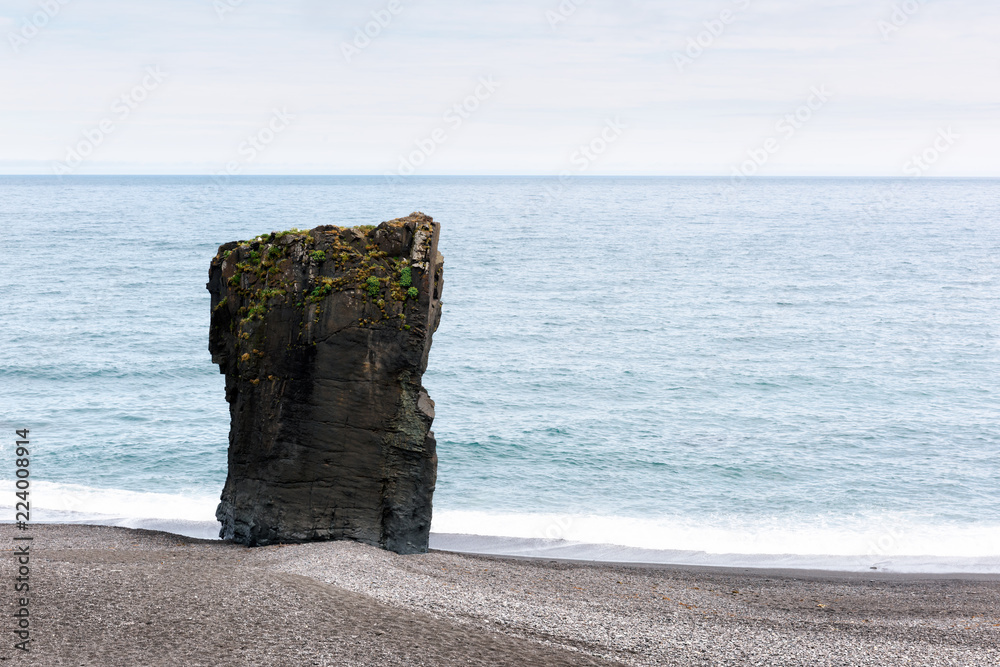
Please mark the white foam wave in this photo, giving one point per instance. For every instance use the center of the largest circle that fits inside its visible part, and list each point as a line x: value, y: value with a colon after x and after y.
x: 850, y: 543
x: 871, y: 537
x: 49, y: 498
x: 192, y: 515
x: 563, y: 550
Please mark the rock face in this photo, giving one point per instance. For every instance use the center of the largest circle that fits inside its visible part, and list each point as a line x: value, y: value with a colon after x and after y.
x: 323, y: 336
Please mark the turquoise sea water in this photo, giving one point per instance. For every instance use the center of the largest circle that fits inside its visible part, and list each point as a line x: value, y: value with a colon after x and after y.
x: 793, y: 366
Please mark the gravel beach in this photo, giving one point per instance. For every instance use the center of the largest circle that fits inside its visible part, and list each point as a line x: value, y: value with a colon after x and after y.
x: 114, y: 596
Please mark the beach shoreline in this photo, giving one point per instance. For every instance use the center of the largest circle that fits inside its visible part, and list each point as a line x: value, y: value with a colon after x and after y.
x: 805, y: 574
x: 985, y: 568
x: 118, y: 596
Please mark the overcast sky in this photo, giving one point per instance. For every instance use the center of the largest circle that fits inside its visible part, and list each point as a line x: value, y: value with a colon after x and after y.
x: 871, y: 85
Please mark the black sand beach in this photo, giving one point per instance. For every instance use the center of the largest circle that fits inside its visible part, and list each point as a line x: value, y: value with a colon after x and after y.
x: 114, y: 596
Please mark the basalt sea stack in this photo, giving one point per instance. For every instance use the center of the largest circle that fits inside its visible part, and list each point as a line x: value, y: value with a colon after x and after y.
x: 323, y: 336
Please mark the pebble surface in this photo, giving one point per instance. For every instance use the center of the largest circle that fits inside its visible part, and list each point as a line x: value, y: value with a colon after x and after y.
x: 114, y: 596
x: 664, y: 616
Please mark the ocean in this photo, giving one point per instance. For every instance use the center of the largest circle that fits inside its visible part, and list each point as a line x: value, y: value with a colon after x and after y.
x: 791, y: 371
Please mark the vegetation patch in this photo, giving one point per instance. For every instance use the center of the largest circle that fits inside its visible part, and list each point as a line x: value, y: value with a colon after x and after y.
x: 266, y: 277
x: 324, y: 287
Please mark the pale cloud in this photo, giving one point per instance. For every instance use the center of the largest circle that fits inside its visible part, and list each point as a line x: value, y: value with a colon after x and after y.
x: 608, y: 58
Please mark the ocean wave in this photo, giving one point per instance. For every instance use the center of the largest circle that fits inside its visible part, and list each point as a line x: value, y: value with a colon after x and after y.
x: 611, y: 553
x: 874, y: 538
x: 888, y: 543
x: 52, y: 501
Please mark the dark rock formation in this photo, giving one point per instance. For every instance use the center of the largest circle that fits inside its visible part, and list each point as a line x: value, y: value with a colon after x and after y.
x: 323, y: 337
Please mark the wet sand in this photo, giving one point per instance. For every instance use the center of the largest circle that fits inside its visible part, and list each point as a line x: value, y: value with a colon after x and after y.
x: 114, y: 596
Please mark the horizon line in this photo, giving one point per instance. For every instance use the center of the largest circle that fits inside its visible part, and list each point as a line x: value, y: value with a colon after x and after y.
x: 540, y: 176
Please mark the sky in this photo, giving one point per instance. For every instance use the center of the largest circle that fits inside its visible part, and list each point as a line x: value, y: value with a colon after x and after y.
x: 546, y: 87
